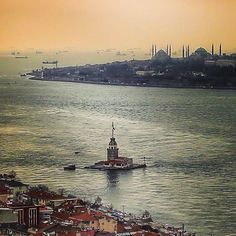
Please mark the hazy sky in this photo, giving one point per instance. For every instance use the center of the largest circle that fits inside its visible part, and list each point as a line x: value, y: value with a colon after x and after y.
x: 122, y: 24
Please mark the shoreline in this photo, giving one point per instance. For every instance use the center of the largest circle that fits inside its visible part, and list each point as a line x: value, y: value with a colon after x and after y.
x: 50, y: 208
x: 133, y: 85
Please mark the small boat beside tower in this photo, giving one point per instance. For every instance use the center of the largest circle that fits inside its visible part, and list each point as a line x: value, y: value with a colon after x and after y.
x: 114, y: 161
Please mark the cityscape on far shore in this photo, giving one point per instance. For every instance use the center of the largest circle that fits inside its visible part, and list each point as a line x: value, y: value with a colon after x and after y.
x: 199, y: 69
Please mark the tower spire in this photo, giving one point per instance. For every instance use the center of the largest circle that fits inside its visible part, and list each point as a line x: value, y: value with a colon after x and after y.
x: 183, y: 51
x: 113, y: 129
x: 170, y: 50
x: 220, y: 51
x: 42, y: 73
x: 167, y: 49
x: 212, y: 49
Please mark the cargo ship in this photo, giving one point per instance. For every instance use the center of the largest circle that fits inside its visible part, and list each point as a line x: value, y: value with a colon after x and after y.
x: 21, y: 57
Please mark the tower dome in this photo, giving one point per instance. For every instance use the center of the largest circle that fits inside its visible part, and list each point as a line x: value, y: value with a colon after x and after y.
x: 112, y: 142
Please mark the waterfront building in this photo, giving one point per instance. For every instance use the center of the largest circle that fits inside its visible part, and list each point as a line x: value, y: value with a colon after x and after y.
x: 28, y: 215
x: 8, y: 216
x: 108, y: 224
x: 220, y: 62
x: 6, y: 193
x: 43, y: 197
x: 16, y: 187
x: 226, y: 63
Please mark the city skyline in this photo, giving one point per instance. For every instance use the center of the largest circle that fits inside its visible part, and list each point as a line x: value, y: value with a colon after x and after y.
x: 89, y: 25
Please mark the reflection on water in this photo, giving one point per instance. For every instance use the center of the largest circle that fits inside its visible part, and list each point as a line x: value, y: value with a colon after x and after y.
x: 188, y: 136
x: 112, y: 179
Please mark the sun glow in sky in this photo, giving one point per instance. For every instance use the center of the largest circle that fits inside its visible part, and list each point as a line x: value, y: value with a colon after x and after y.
x: 122, y: 24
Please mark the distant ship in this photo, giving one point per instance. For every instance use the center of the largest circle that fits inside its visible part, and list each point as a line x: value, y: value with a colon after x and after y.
x: 50, y: 62
x: 15, y: 53
x: 70, y: 167
x: 114, y: 161
x: 21, y: 57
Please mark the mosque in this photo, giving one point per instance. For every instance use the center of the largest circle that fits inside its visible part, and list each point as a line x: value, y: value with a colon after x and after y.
x: 200, y: 54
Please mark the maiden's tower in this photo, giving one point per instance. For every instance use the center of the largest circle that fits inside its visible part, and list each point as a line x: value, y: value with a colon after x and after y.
x: 114, y: 161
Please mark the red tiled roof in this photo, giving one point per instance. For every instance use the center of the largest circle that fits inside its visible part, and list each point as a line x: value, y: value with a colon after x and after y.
x: 83, y: 217
x: 19, y: 205
x: 4, y: 189
x: 61, y: 215
x: 115, y: 161
x: 88, y: 233
x: 120, y: 227
x: 44, y: 195
x: 97, y: 213
x: 81, y: 209
x: 146, y: 234
x: 108, y: 217
x: 123, y: 158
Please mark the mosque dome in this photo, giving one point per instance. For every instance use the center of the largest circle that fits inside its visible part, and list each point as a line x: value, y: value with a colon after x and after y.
x: 201, y: 52
x: 161, y: 56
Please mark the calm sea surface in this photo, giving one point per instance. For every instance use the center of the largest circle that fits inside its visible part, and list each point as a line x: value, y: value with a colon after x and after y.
x: 188, y: 135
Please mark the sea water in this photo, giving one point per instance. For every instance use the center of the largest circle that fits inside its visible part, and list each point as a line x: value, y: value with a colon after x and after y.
x: 187, y: 135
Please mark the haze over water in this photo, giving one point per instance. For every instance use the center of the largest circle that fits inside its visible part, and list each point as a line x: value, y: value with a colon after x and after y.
x: 187, y: 135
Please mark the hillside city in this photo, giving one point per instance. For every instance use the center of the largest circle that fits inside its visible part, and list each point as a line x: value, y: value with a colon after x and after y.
x: 38, y: 211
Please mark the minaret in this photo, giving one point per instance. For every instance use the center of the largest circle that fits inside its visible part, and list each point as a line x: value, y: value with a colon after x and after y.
x: 152, y: 51
x: 220, y: 50
x: 212, y: 49
x: 183, y: 52
x: 167, y: 49
x: 170, y: 50
x: 188, y: 51
x: 42, y: 73
x: 155, y: 50
x: 112, y: 150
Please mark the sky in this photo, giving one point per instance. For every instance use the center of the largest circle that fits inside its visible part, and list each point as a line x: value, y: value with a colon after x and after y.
x: 120, y: 24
